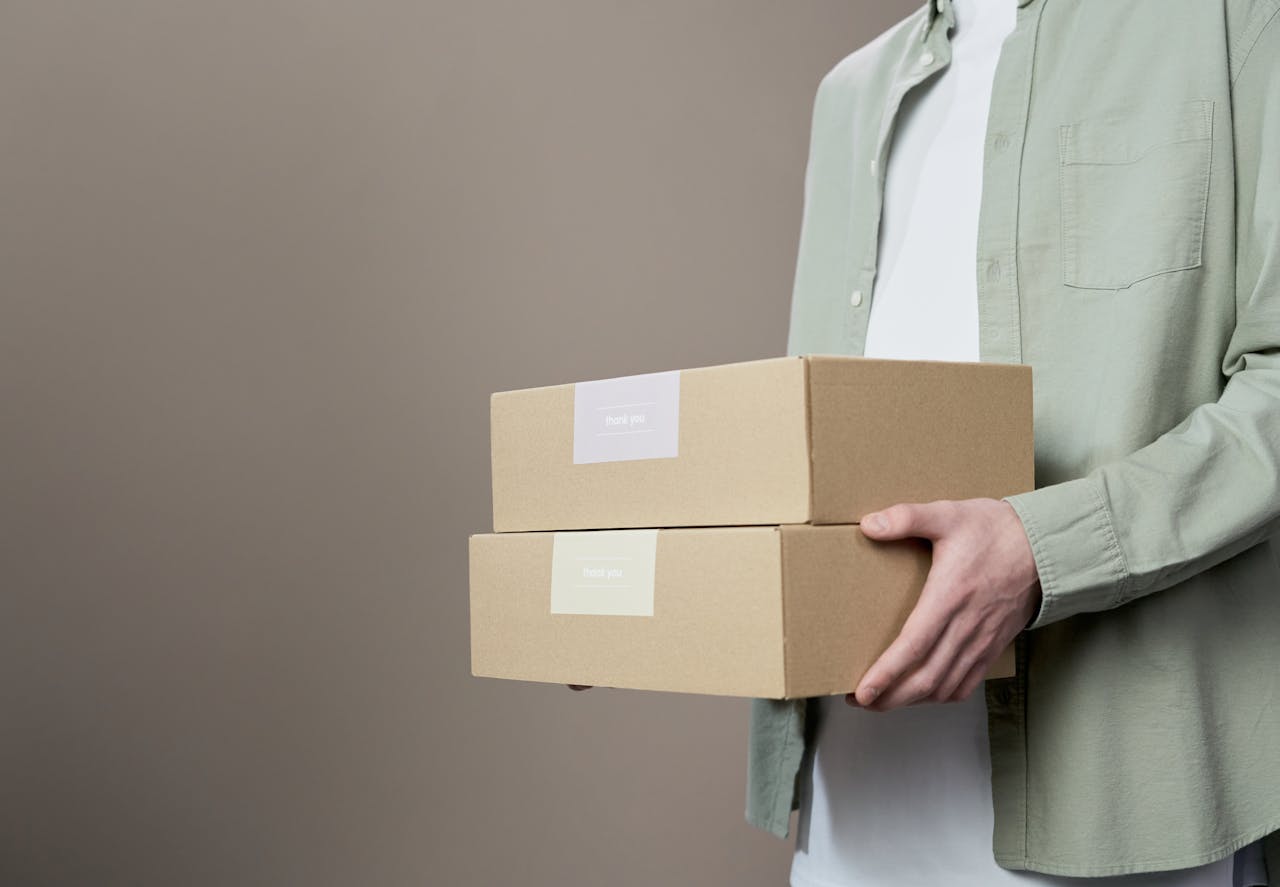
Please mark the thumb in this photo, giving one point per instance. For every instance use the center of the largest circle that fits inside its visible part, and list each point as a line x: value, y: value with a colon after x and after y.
x: 923, y: 520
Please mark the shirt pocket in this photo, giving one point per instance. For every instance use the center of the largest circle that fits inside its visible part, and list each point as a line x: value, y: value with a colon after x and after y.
x: 1134, y: 187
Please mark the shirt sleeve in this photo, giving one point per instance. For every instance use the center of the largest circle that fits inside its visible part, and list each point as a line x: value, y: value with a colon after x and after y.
x: 1209, y: 488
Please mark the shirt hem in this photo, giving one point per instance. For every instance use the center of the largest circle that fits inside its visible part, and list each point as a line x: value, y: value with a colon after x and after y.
x: 1048, y: 867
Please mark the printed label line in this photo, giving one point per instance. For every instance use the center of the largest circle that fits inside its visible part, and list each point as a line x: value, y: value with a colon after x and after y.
x: 623, y: 406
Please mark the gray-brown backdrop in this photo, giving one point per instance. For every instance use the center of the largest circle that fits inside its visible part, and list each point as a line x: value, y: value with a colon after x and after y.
x: 261, y: 263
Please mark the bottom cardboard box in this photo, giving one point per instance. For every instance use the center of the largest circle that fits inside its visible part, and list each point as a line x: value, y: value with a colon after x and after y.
x: 774, y: 612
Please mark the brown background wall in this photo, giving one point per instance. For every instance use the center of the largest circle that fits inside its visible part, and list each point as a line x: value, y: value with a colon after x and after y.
x: 261, y: 263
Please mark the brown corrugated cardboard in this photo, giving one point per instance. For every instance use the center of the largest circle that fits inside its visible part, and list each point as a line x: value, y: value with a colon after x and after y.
x: 788, y: 440
x: 774, y: 612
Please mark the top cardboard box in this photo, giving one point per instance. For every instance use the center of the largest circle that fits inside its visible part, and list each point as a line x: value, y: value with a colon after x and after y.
x: 815, y: 439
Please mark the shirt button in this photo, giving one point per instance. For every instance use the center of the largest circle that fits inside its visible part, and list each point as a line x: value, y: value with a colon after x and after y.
x: 855, y: 298
x: 926, y: 59
x: 993, y: 270
x: 1003, y: 694
x: 1001, y: 141
x: 874, y: 166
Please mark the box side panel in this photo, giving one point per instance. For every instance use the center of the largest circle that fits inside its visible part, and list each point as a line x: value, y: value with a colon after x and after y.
x: 716, y: 624
x: 846, y: 599
x: 808, y: 432
x: 888, y: 431
x: 742, y: 457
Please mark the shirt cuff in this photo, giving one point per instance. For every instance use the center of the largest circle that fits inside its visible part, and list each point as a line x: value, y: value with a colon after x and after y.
x: 1078, y: 557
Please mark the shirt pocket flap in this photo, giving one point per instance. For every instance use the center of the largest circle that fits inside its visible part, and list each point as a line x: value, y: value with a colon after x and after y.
x: 1127, y: 138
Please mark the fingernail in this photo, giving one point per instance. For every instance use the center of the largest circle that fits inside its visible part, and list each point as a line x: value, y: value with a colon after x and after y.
x: 876, y: 522
x: 872, y: 693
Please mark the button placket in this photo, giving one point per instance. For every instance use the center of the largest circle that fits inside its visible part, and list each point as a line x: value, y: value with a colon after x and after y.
x: 997, y: 273
x: 856, y: 321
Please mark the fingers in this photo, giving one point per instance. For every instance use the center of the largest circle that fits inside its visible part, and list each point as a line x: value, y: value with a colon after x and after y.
x: 920, y: 683
x: 578, y: 686
x: 973, y: 594
x: 971, y: 681
x: 973, y: 660
x: 917, y: 639
x: 926, y: 520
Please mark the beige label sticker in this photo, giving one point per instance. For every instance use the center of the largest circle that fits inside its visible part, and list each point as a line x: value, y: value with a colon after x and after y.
x: 603, y: 572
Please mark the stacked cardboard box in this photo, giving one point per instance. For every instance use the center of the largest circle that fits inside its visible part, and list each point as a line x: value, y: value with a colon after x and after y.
x: 694, y: 531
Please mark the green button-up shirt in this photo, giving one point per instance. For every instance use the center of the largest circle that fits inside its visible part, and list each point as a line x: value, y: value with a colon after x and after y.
x: 1129, y: 251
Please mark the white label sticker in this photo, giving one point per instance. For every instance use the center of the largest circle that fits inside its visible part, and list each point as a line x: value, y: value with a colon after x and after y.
x: 634, y: 417
x: 603, y: 572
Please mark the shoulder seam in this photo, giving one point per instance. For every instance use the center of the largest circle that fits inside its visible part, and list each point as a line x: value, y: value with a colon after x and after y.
x: 908, y: 24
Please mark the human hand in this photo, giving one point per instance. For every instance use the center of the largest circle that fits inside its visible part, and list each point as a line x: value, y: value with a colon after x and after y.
x: 982, y: 589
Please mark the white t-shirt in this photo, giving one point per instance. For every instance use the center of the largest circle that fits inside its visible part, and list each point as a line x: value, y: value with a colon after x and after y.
x: 904, y: 797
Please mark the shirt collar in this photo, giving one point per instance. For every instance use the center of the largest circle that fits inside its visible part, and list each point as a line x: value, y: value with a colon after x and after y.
x: 934, y: 8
